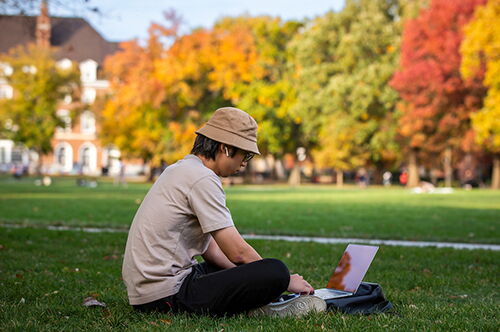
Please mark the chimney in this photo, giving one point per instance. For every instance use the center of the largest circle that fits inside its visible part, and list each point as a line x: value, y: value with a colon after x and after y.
x: 43, y: 26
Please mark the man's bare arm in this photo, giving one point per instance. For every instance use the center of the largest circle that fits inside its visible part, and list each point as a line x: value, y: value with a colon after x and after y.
x: 236, y: 249
x: 215, y: 256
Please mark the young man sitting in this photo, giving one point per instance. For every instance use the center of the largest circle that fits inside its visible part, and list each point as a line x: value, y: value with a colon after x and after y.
x: 184, y: 215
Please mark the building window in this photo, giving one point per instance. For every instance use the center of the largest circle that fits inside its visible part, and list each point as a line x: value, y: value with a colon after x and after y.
x: 88, y: 70
x: 61, y: 155
x: 17, y: 155
x: 3, y: 155
x: 87, y: 122
x: 6, y: 69
x: 65, y: 117
x: 88, y: 95
x: 29, y: 69
x: 64, y: 157
x: 88, y: 158
x: 68, y: 99
x: 65, y: 64
x: 6, y: 92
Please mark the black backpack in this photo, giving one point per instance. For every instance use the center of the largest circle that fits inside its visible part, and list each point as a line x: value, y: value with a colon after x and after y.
x: 368, y: 299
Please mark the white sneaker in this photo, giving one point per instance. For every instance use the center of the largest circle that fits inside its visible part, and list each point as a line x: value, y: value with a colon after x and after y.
x: 295, y: 306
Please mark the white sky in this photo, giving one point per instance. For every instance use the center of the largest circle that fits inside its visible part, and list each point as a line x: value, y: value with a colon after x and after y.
x: 127, y: 19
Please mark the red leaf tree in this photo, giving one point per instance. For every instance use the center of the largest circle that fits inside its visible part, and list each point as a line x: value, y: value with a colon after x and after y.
x: 437, y: 102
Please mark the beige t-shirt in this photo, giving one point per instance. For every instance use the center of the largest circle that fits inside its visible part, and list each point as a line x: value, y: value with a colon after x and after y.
x: 171, y: 227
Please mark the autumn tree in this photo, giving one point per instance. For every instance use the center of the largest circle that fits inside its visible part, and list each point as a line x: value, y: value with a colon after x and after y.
x: 481, y: 48
x: 435, y: 114
x: 39, y: 84
x: 135, y: 115
x: 266, y: 92
x: 342, y: 64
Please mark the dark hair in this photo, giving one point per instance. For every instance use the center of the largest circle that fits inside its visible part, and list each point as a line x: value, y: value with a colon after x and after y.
x: 208, y: 148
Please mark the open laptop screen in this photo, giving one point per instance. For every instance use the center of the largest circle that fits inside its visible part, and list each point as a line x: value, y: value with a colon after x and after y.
x: 352, y: 267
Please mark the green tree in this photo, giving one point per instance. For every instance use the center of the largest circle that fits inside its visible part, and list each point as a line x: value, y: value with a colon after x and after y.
x: 342, y: 65
x: 39, y: 84
x: 481, y: 48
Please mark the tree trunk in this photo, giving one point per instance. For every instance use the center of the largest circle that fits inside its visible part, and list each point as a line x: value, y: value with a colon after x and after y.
x: 294, y: 178
x: 38, y: 162
x: 413, y: 178
x: 340, y: 178
x: 378, y: 174
x: 495, y: 178
x: 448, y: 171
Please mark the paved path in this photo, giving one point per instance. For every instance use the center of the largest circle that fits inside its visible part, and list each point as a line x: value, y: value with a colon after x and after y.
x: 325, y: 240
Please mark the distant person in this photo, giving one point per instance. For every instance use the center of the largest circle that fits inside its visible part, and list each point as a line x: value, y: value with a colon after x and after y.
x: 387, y: 178
x: 18, y: 171
x: 403, y: 178
x: 120, y: 176
x: 362, y: 177
x: 184, y: 215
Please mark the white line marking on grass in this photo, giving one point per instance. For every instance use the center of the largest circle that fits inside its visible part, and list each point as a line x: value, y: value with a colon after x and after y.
x: 330, y: 240
x: 68, y: 228
x: 324, y: 240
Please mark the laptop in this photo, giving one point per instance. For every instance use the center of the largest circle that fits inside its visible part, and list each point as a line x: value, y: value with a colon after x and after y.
x: 349, y: 273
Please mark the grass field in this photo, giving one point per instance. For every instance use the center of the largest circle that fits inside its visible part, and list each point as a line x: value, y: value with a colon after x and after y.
x: 464, y: 216
x: 45, y: 275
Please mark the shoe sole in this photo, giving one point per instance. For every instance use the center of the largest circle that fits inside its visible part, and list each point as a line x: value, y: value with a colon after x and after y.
x: 297, y: 307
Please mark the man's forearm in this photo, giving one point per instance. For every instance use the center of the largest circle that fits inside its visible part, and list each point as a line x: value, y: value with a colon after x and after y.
x: 215, y: 256
x: 245, y: 255
x: 236, y: 249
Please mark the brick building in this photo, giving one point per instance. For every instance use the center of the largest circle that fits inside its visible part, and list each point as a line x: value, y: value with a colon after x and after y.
x: 76, y: 148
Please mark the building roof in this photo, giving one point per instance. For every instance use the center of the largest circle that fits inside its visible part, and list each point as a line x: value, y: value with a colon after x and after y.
x: 74, y: 37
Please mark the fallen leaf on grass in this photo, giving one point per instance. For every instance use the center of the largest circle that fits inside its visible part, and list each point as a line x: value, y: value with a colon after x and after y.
x: 166, y: 321
x: 92, y: 302
x: 112, y: 257
x: 22, y: 300
x: 19, y: 276
x: 54, y: 292
x: 412, y: 306
x: 463, y: 296
x: 2, y: 247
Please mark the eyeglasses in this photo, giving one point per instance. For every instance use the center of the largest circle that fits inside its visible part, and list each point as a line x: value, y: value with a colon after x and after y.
x: 248, y: 156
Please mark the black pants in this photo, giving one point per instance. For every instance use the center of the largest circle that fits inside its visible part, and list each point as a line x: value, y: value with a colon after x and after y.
x: 210, y: 290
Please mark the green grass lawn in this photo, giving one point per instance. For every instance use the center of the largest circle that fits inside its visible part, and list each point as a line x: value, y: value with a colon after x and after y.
x: 45, y: 276
x: 464, y: 216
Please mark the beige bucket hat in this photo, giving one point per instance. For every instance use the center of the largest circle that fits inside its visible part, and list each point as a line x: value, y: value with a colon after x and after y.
x: 234, y: 127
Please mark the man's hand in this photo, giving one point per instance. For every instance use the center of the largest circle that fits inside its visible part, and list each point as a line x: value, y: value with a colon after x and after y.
x: 299, y: 285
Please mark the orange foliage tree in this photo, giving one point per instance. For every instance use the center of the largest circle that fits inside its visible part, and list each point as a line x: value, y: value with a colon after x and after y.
x: 435, y: 115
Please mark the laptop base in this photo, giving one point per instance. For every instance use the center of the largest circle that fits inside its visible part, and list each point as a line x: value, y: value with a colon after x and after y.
x: 329, y: 293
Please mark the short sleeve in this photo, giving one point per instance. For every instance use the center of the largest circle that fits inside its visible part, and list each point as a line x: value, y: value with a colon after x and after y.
x: 208, y: 201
